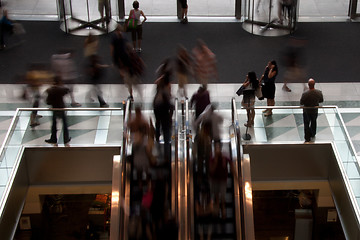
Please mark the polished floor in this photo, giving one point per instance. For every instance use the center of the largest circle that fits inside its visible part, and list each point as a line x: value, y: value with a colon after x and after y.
x: 284, y: 125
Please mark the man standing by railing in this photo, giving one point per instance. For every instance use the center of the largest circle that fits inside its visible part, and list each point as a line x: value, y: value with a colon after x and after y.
x: 310, y: 99
x: 55, y: 98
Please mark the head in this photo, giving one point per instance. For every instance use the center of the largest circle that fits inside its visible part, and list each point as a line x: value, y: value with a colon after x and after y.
x: 136, y: 5
x: 251, y: 76
x: 311, y: 83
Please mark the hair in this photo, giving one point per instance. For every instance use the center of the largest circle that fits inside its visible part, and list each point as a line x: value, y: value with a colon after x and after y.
x: 253, y: 79
x: 273, y: 62
x: 136, y: 5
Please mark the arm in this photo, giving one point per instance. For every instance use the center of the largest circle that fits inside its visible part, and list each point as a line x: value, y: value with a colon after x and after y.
x: 142, y: 13
x: 272, y: 73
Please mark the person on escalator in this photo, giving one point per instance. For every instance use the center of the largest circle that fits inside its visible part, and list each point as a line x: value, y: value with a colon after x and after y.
x: 204, y: 210
x: 218, y: 174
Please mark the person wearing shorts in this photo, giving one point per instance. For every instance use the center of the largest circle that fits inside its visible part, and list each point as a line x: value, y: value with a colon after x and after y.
x: 137, y: 32
x: 184, y: 11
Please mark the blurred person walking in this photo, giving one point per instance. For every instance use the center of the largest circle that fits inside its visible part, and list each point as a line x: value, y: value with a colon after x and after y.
x: 213, y: 119
x: 55, y: 98
x: 200, y: 100
x: 251, y: 84
x: 183, y: 70
x: 136, y: 13
x: 6, y: 28
x: 294, y: 61
x: 163, y: 110
x: 63, y: 66
x: 204, y: 63
x: 218, y: 174
x: 310, y: 99
x: 95, y: 72
x: 268, y: 87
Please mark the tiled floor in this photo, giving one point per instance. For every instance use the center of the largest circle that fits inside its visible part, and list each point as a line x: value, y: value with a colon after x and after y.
x: 284, y: 125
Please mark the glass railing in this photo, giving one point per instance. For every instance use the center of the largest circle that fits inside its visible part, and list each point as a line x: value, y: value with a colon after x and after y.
x: 104, y: 127
x: 87, y: 127
x: 285, y: 126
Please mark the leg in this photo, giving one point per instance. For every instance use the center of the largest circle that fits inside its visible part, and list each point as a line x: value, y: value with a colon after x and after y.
x: 313, y: 125
x: 53, y: 138
x: 65, y: 127
x: 270, y: 102
x: 307, y: 130
x: 139, y: 34
x: 133, y: 38
x: 157, y: 125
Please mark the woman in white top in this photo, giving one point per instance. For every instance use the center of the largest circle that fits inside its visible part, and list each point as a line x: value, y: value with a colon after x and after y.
x: 251, y: 83
x: 136, y: 13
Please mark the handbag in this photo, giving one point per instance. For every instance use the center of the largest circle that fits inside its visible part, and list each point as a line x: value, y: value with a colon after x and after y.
x: 240, y: 91
x: 258, y: 93
x: 131, y: 23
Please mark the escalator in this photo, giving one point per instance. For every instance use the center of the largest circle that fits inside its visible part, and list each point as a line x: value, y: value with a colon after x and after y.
x: 206, y: 217
x: 135, y: 189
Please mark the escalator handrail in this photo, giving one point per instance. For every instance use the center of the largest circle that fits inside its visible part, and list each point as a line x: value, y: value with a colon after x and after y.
x: 236, y: 150
x: 176, y: 158
x: 124, y: 153
x: 189, y: 173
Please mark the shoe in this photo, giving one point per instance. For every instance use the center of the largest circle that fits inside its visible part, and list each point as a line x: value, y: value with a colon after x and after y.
x: 50, y: 141
x: 307, y: 142
x: 248, y: 125
x: 185, y: 20
x: 267, y: 114
x: 67, y: 141
x: 34, y: 124
x: 39, y: 116
x: 104, y: 105
x: 139, y: 50
x: 75, y: 104
x: 286, y: 88
x: 266, y: 110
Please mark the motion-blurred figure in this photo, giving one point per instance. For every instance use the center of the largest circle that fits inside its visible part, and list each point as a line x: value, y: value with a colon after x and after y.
x: 294, y: 62
x: 95, y: 71
x: 183, y: 70
x: 163, y: 110
x: 214, y: 119
x: 200, y: 100
x: 91, y: 45
x: 35, y: 77
x: 6, y: 27
x: 133, y: 72
x: 218, y: 174
x: 55, y: 98
x: 205, y: 63
x: 285, y: 7
x: 64, y: 67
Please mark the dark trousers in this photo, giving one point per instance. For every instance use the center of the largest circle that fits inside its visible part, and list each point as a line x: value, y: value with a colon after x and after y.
x: 61, y: 115
x: 310, y: 116
x: 163, y: 123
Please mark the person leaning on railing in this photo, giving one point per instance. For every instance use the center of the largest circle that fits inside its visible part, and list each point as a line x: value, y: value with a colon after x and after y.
x: 310, y: 99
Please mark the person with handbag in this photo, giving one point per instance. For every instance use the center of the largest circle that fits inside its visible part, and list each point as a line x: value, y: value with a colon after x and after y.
x: 250, y: 86
x: 135, y: 25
